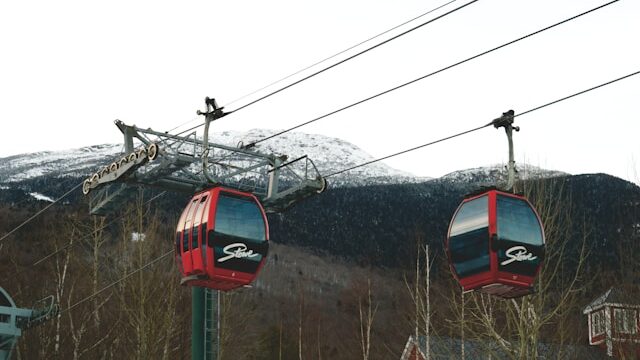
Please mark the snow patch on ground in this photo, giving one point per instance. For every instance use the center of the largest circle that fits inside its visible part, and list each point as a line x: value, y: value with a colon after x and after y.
x: 136, y: 236
x: 41, y: 197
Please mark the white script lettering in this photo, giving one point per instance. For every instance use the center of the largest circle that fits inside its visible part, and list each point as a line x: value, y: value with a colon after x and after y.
x: 236, y: 250
x: 518, y: 253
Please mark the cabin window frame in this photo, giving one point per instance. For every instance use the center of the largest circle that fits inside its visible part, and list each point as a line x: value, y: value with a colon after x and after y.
x: 196, y: 242
x: 178, y: 243
x: 227, y: 230
x: 188, y: 223
x: 625, y: 320
x: 221, y: 216
x: 203, y: 226
x: 527, y: 230
x: 598, y: 323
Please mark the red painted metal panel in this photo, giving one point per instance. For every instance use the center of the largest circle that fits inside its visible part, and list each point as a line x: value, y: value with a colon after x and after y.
x: 494, y: 281
x: 200, y: 263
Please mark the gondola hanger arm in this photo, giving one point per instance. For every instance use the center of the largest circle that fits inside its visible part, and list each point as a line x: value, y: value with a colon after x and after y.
x: 506, y: 121
x: 213, y: 112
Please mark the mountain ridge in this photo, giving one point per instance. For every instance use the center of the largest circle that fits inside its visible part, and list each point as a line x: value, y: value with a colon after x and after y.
x: 328, y: 154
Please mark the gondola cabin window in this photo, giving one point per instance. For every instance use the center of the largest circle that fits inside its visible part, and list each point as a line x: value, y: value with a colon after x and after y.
x: 469, y: 238
x: 195, y: 230
x: 239, y: 230
x: 205, y: 202
x: 520, y: 238
x: 187, y: 225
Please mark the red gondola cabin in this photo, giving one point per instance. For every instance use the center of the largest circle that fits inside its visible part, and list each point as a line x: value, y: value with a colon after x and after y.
x: 221, y: 239
x: 495, y: 244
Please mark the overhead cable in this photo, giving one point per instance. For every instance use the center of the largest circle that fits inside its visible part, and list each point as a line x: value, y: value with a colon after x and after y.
x: 486, y: 125
x: 118, y: 281
x: 409, y: 150
x: 364, y: 164
x: 342, y: 52
x: 40, y: 212
x: 578, y: 93
x: 46, y: 207
x: 183, y: 124
x: 103, y: 227
x: 339, y: 62
x: 356, y: 55
x: 431, y: 74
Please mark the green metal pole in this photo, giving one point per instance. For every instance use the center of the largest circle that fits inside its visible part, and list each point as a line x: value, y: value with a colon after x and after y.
x: 197, y: 323
x: 205, y: 336
x: 211, y: 325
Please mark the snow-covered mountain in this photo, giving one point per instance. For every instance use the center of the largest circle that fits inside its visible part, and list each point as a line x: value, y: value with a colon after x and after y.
x: 498, y: 173
x: 72, y: 163
x: 329, y: 155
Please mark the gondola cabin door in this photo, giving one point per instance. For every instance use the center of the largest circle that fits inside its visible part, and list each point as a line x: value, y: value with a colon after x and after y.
x: 221, y: 239
x: 495, y: 244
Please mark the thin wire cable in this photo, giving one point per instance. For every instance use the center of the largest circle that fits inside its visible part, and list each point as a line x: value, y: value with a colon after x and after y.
x: 433, y: 73
x: 341, y: 52
x: 340, y: 62
x: 351, y: 168
x: 51, y: 204
x: 578, y: 93
x: 118, y: 281
x: 183, y: 124
x: 487, y: 125
x: 103, y: 227
x: 408, y: 150
x: 40, y: 212
x: 356, y: 55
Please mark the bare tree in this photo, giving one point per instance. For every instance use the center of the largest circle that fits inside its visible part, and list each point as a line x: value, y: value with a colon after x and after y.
x: 237, y: 311
x: 300, y: 320
x: 61, y: 267
x: 420, y: 293
x: 96, y: 240
x: 147, y: 300
x: 367, y: 312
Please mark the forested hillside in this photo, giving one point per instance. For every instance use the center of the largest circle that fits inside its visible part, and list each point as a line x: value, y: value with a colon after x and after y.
x: 333, y: 256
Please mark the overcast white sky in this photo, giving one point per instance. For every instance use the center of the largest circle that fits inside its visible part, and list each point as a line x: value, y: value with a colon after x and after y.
x: 69, y: 68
